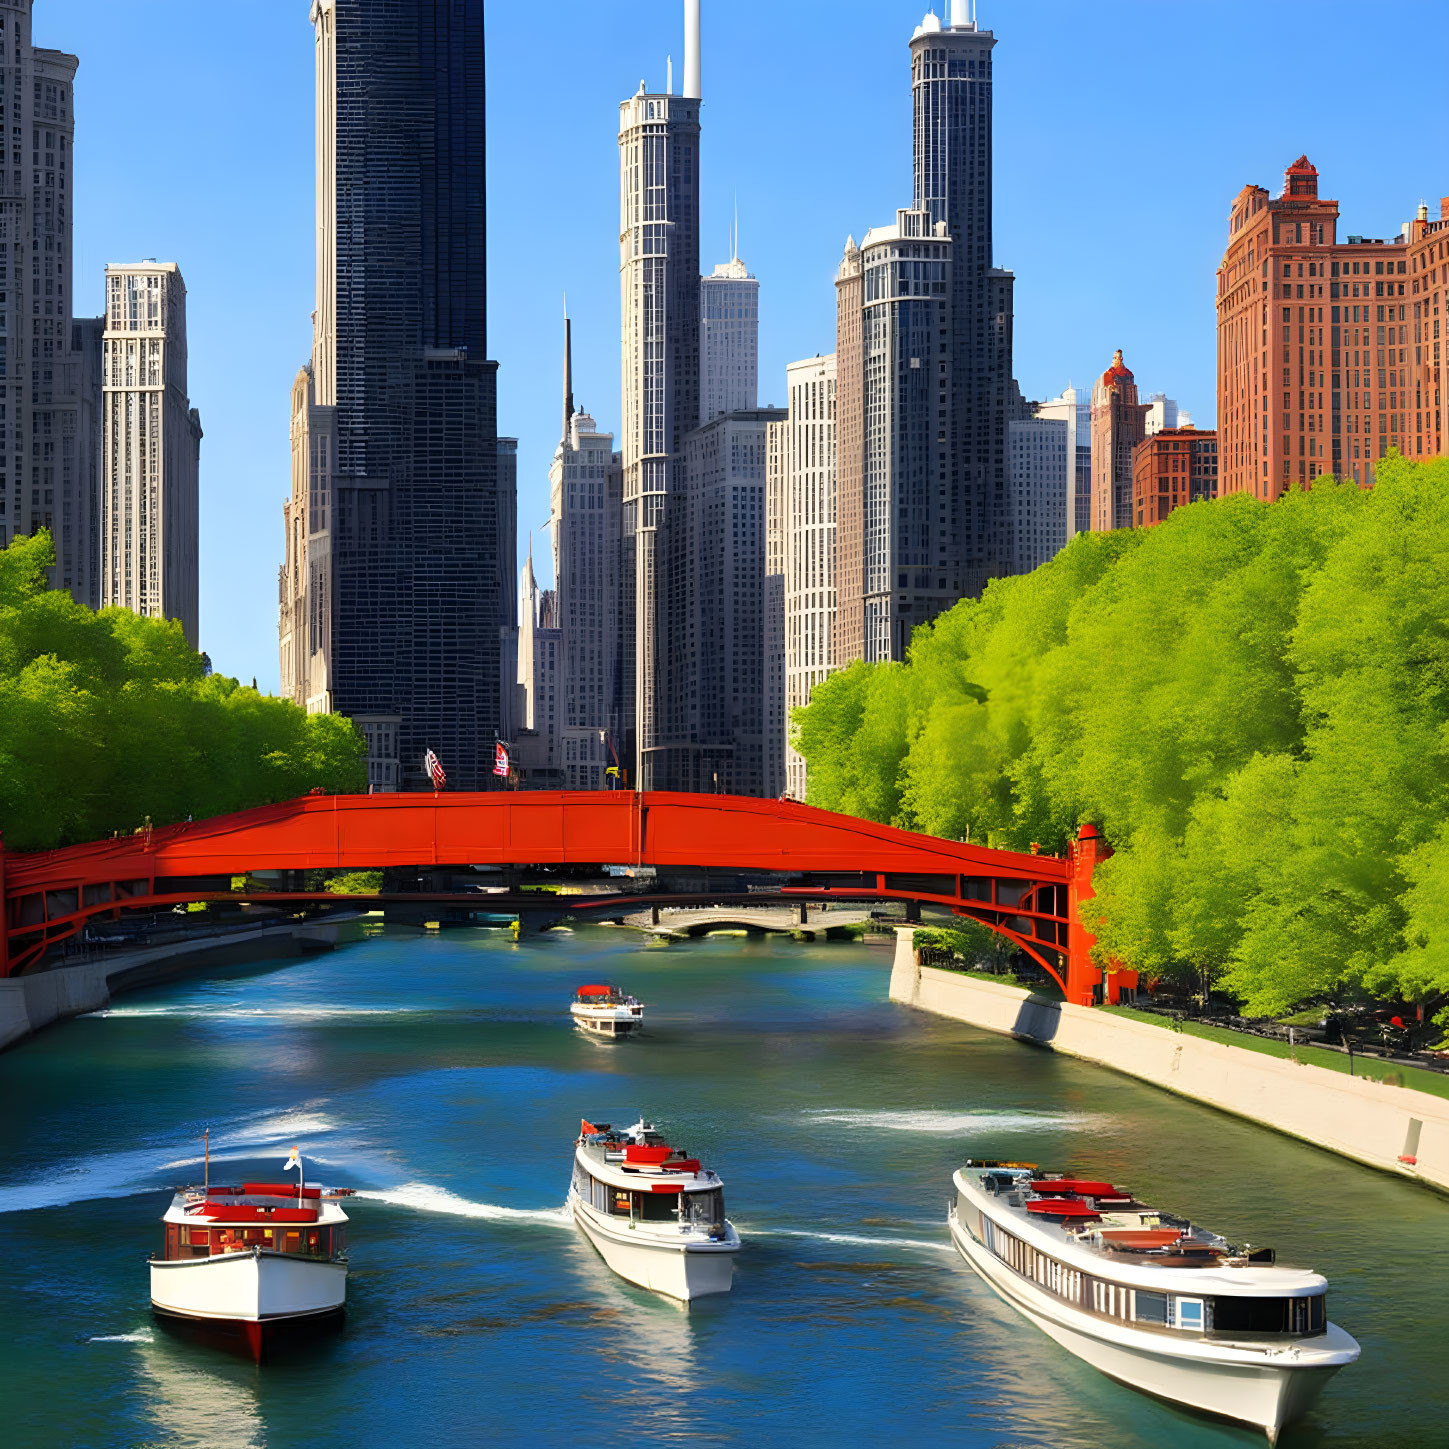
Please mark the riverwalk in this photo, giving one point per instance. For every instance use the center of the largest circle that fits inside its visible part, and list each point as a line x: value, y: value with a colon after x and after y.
x: 1397, y: 1129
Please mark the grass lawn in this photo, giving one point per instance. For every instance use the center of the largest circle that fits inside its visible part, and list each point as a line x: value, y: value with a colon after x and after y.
x: 1396, y: 1074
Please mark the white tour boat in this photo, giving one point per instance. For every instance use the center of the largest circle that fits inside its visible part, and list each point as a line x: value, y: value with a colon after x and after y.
x: 251, y: 1263
x: 655, y: 1215
x: 606, y: 1011
x: 1148, y: 1298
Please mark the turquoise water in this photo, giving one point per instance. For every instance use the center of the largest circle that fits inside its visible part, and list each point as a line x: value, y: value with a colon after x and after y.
x: 439, y: 1075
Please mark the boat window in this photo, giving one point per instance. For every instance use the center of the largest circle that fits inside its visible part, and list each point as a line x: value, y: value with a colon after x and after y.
x: 705, y: 1209
x: 658, y: 1207
x: 621, y: 1202
x: 1303, y: 1317
x: 1189, y: 1314
x: 1151, y: 1307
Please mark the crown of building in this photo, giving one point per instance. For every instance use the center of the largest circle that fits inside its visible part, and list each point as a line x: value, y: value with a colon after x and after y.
x: 1118, y: 372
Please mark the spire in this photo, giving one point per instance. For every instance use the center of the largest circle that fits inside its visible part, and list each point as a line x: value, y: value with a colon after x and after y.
x: 691, y: 49
x: 568, y: 381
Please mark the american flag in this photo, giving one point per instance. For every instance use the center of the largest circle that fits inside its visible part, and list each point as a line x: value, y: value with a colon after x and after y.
x: 500, y: 760
x: 434, y: 767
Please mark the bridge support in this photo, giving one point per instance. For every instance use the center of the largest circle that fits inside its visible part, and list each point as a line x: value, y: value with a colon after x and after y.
x: 1085, y: 979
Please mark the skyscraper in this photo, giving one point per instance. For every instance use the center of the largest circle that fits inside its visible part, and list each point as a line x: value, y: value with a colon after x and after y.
x: 729, y: 306
x: 585, y: 514
x: 1119, y: 423
x: 47, y: 465
x: 660, y: 328
x: 151, y: 446
x: 951, y: 84
x: 772, y: 673
x: 395, y: 518
x: 899, y: 533
x: 1040, y: 462
x: 808, y: 527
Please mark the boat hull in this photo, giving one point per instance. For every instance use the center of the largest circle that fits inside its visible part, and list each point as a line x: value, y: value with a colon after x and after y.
x: 606, y: 1024
x: 257, y: 1297
x: 683, y: 1270
x: 1267, y: 1388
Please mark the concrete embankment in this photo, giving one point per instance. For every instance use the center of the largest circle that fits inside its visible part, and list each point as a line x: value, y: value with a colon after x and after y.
x: 28, y: 1003
x: 1398, y: 1129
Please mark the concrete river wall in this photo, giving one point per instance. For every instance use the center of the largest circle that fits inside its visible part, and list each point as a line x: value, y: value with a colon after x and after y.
x: 28, y: 1003
x: 1398, y: 1129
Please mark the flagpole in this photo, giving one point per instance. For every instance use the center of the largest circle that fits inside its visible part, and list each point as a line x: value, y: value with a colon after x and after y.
x: 206, y: 1148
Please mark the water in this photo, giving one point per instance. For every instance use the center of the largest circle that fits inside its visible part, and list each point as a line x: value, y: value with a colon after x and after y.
x: 439, y: 1076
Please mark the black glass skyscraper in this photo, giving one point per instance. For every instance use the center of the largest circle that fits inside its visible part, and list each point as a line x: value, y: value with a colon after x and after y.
x: 393, y: 615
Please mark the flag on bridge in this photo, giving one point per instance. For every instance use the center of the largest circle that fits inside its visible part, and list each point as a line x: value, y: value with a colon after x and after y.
x: 500, y: 760
x: 434, y: 767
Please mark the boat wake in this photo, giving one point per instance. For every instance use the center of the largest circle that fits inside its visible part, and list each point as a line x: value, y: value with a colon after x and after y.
x: 425, y: 1198
x: 143, y: 1335
x: 194, y: 1012
x: 855, y: 1240
x: 146, y: 1169
x: 960, y: 1123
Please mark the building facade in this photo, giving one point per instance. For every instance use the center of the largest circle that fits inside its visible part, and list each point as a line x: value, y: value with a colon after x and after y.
x: 660, y: 357
x: 1328, y: 347
x: 395, y: 519
x: 1173, y: 467
x: 951, y: 85
x: 150, y: 450
x: 1042, y: 468
x: 808, y: 538
x: 537, y: 738
x: 586, y: 512
x: 848, y: 641
x: 772, y: 671
x: 729, y: 340
x: 1119, y: 423
x: 1076, y: 413
x: 48, y: 463
x: 910, y: 530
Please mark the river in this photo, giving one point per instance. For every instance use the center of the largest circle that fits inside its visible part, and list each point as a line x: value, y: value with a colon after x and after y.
x: 438, y: 1074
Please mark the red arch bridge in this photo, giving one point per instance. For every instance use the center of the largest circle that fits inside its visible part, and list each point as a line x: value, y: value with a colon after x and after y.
x: 813, y: 855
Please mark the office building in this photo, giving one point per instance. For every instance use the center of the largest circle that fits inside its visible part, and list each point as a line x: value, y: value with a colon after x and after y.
x: 1328, y: 347
x: 729, y: 340
x: 1042, y: 468
x: 535, y: 752
x: 1173, y: 467
x: 585, y: 512
x: 808, y: 538
x: 951, y: 85
x: 772, y: 677
x: 395, y: 528
x: 505, y: 568
x: 901, y: 536
x: 660, y: 357
x: 1163, y: 413
x: 1076, y: 413
x: 151, y: 449
x: 1118, y: 425
x: 48, y: 468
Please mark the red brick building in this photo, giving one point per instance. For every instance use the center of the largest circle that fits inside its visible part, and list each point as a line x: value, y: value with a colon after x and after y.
x: 1328, y: 349
x: 1171, y: 468
x: 1119, y: 423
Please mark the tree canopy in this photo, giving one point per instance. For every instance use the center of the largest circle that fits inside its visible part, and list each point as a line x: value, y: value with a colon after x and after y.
x: 1252, y: 701
x: 107, y: 719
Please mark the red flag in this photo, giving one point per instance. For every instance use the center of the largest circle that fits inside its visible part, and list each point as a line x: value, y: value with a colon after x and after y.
x: 500, y: 760
x: 434, y: 768
x: 586, y: 1128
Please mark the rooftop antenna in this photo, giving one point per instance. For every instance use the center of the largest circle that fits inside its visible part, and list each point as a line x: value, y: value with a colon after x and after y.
x: 691, y: 49
x: 568, y: 377
x: 669, y: 76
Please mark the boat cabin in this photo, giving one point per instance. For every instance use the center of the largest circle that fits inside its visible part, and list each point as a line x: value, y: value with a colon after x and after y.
x: 269, y: 1216
x: 635, y: 1175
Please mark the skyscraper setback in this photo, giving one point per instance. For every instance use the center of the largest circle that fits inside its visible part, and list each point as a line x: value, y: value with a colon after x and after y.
x: 390, y: 601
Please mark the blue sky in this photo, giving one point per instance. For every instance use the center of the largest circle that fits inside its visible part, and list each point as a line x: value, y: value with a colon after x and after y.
x: 1123, y: 132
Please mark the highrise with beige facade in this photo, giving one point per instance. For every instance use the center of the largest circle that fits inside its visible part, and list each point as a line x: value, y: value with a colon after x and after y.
x: 808, y: 542
x: 150, y: 448
x: 729, y: 340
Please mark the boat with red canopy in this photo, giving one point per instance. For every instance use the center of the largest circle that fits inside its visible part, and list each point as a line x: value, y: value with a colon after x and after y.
x: 606, y: 1011
x: 655, y: 1215
x: 251, y: 1264
x: 1148, y: 1297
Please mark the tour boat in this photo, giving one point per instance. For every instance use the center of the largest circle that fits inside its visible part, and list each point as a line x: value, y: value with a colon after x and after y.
x: 654, y: 1214
x: 606, y: 1011
x: 1148, y: 1298
x: 254, y: 1263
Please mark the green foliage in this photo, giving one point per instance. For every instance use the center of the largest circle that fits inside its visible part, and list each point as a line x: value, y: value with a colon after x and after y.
x: 108, y: 719
x: 1252, y: 700
x: 355, y: 883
